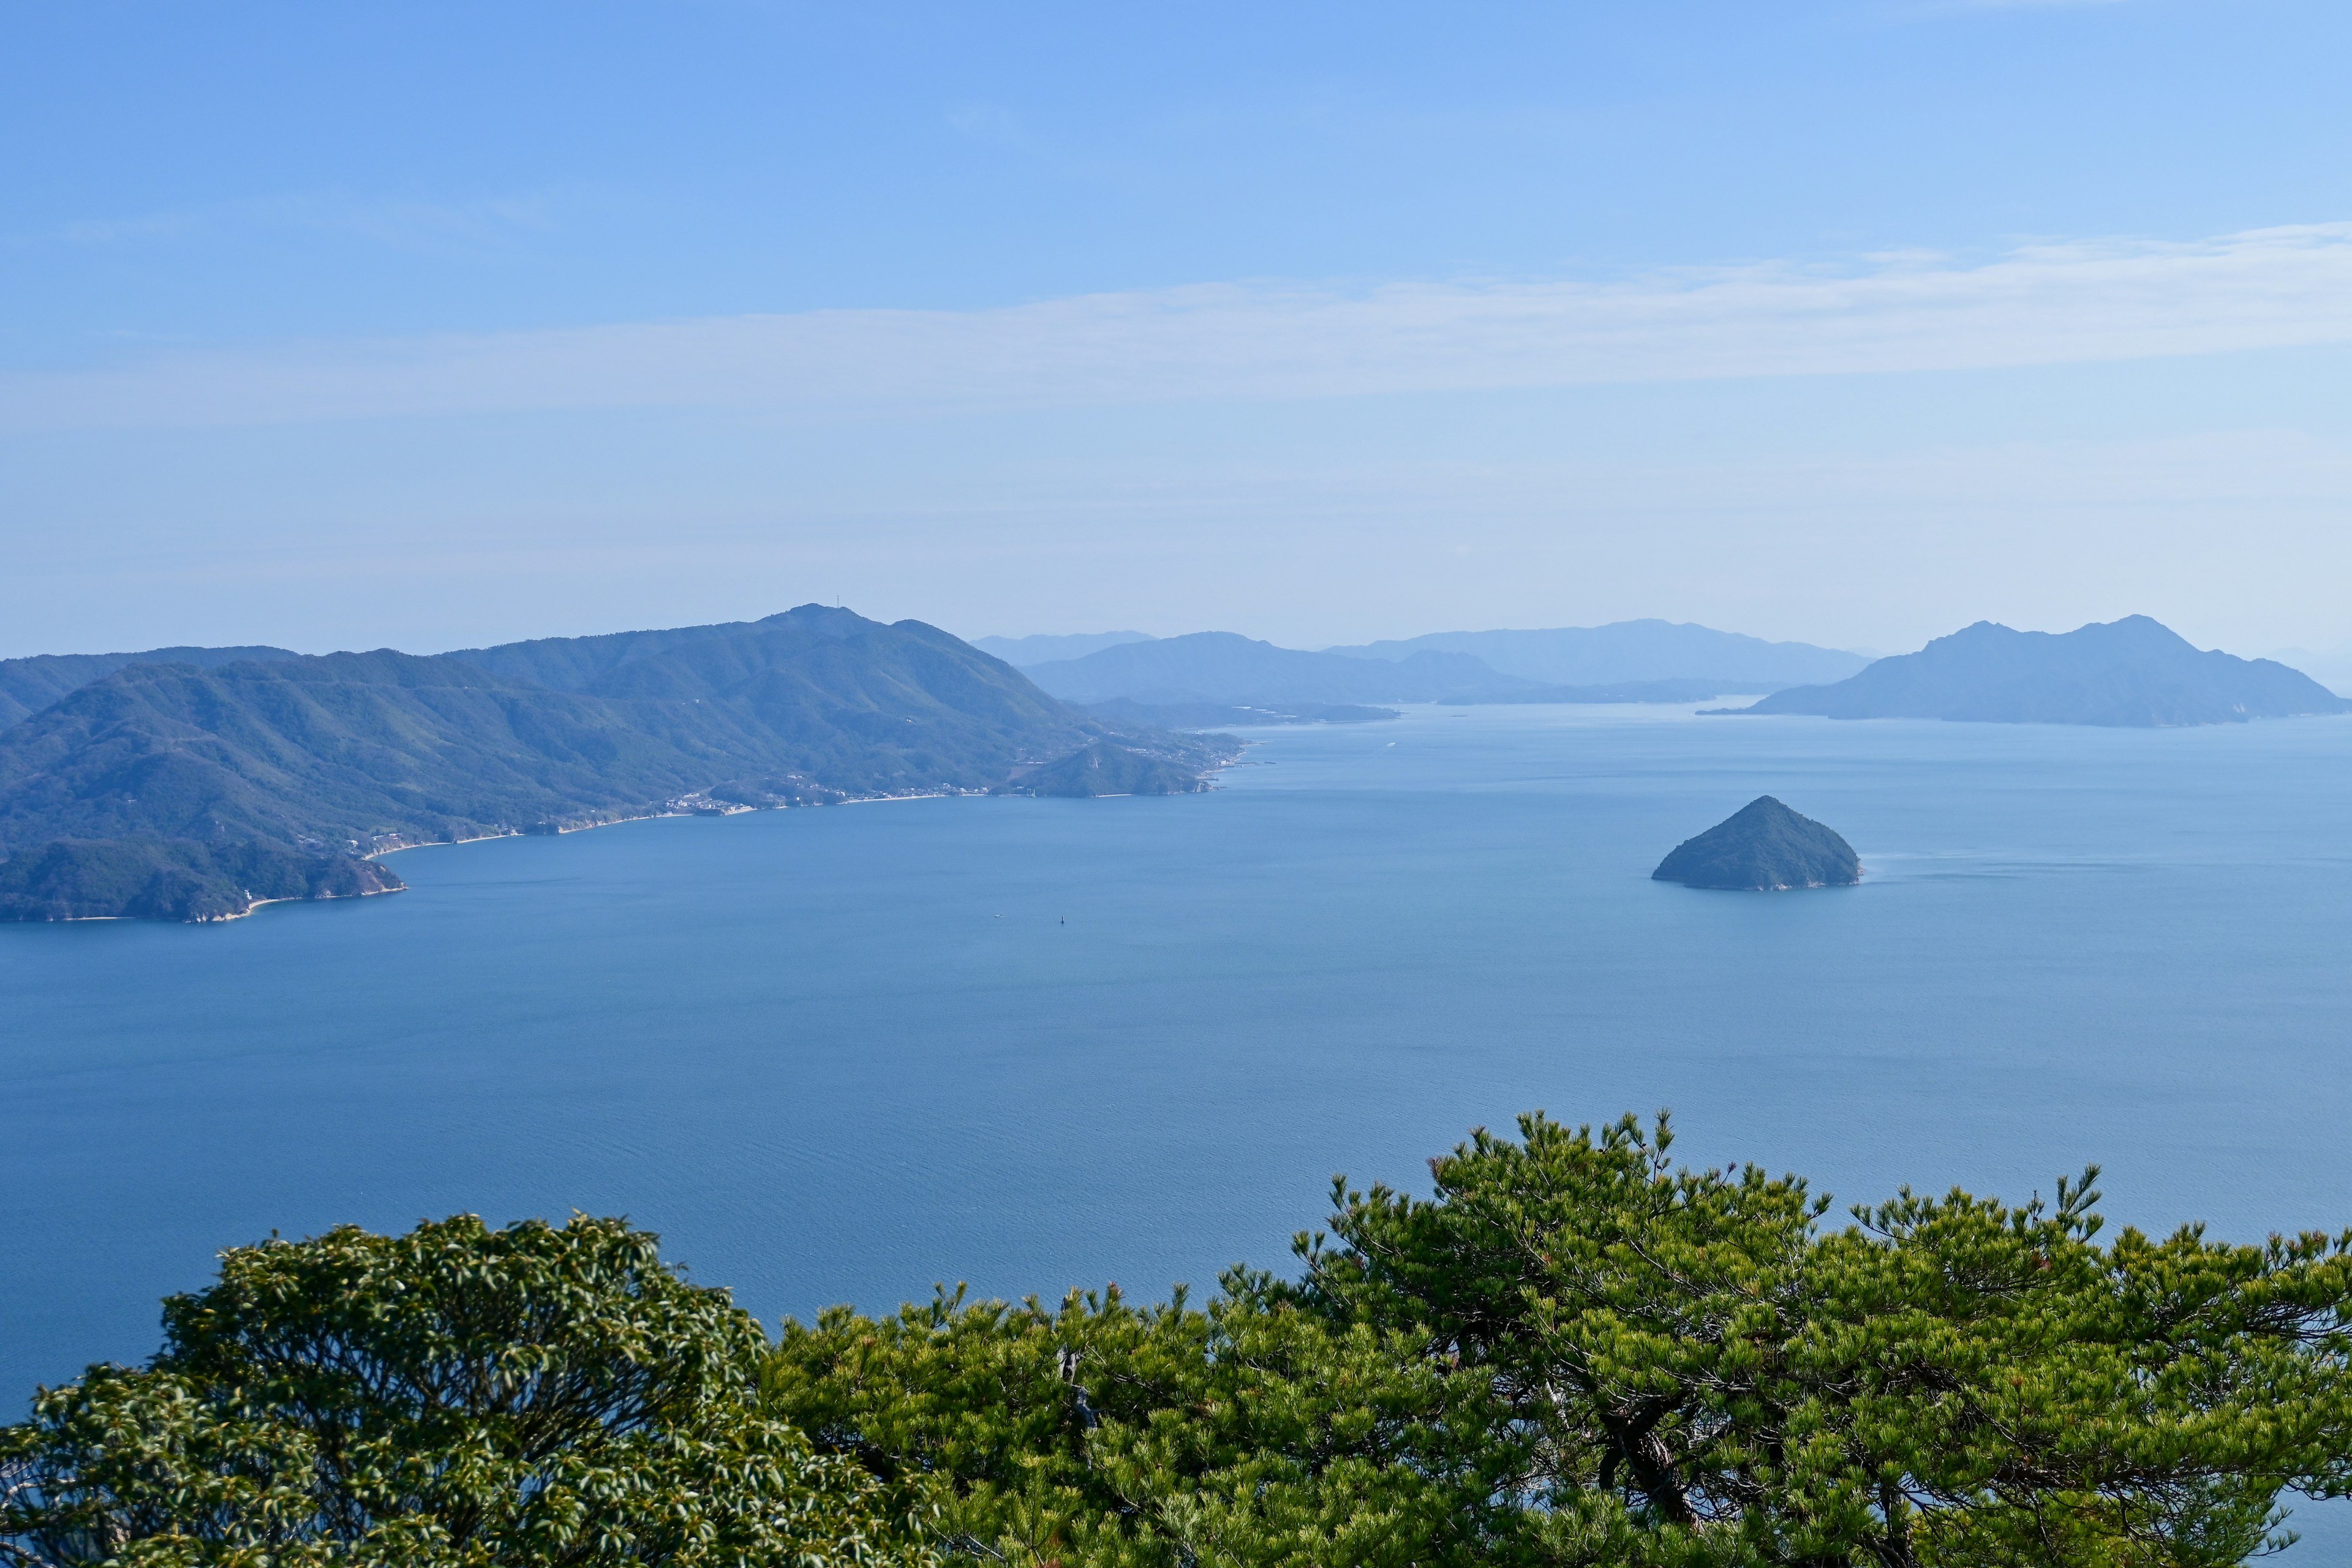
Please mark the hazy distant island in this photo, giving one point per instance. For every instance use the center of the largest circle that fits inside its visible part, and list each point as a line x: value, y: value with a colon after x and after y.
x: 1023, y: 652
x: 1629, y: 661
x: 1762, y: 848
x: 1626, y: 657
x: 192, y: 783
x: 1632, y: 654
x: 2133, y: 672
x: 1226, y: 669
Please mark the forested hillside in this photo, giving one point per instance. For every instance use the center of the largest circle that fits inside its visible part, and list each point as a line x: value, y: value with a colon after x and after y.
x: 358, y: 753
x: 29, y: 685
x: 175, y: 880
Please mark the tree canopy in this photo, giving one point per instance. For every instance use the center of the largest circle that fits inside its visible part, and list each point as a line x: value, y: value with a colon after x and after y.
x: 457, y: 1397
x: 1572, y: 1352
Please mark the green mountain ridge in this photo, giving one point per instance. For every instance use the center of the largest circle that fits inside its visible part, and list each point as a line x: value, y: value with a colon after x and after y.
x: 29, y: 685
x: 361, y: 753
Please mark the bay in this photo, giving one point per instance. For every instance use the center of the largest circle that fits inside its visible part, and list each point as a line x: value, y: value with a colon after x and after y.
x: 844, y: 1053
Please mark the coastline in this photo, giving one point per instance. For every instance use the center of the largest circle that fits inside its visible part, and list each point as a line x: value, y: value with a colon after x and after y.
x: 717, y: 808
x: 214, y: 919
x: 561, y: 831
x: 222, y: 920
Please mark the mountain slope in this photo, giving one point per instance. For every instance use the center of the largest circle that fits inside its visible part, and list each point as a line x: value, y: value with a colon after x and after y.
x: 345, y: 751
x: 1230, y: 670
x: 2133, y: 672
x: 1628, y: 651
x: 867, y: 708
x: 1104, y: 768
x: 29, y: 685
x: 372, y: 751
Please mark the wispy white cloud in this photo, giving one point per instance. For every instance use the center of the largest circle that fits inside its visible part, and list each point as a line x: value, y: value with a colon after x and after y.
x: 2040, y: 304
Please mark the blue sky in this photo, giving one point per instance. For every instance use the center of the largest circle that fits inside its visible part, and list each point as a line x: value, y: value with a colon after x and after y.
x: 429, y: 325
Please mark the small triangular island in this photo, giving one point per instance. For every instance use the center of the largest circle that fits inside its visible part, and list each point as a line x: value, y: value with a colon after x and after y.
x: 1763, y: 847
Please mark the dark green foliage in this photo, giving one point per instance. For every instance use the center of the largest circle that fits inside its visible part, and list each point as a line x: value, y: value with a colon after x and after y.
x: 1705, y: 1377
x: 29, y: 685
x: 1573, y: 1354
x: 2132, y: 672
x: 456, y: 1396
x: 1762, y: 848
x: 174, y: 879
x: 373, y: 751
x: 1103, y: 769
x: 1257, y: 1431
x: 1578, y: 1355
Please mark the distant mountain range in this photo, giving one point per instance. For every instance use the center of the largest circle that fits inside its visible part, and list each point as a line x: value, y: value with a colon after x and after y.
x: 1222, y: 667
x: 1023, y: 652
x: 1174, y: 676
x: 1628, y: 652
x: 1630, y: 661
x: 2131, y: 673
x: 1619, y: 653
x: 359, y: 752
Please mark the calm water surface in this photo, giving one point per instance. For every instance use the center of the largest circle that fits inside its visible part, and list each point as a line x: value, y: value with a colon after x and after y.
x: 840, y: 1054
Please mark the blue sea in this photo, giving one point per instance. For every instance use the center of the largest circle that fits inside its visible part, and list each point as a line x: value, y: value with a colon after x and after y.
x: 840, y: 1054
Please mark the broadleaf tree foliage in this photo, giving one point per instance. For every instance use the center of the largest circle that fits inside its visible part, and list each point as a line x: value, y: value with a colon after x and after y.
x: 1573, y: 1353
x: 456, y: 1397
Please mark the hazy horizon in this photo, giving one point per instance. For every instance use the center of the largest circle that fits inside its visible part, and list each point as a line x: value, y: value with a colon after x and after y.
x: 1850, y: 323
x: 2333, y: 664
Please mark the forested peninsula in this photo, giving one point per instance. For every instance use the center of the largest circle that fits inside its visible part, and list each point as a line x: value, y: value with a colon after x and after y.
x: 255, y: 760
x: 1574, y: 1354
